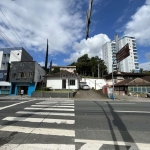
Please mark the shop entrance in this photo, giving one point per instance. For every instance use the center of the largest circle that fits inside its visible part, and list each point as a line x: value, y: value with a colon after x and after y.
x: 25, y: 88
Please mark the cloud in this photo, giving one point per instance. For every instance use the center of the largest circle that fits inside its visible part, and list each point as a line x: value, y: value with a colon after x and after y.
x: 43, y: 64
x: 147, y: 55
x: 60, y: 21
x: 92, y: 46
x: 145, y: 66
x: 139, y: 25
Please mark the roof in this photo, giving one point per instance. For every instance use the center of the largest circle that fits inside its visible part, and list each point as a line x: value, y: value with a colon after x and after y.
x: 115, y: 73
x: 147, y: 78
x: 133, y: 82
x: 64, y: 74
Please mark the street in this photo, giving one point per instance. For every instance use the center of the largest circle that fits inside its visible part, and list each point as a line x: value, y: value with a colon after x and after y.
x: 65, y: 124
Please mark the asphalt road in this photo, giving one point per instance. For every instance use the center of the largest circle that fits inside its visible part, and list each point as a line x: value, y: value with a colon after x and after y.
x: 59, y: 124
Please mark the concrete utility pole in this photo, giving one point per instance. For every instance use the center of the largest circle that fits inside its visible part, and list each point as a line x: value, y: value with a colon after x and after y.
x: 46, y: 58
x: 88, y: 18
x: 98, y: 71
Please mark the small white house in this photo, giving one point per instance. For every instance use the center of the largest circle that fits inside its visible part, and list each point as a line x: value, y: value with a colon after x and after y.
x: 62, y: 80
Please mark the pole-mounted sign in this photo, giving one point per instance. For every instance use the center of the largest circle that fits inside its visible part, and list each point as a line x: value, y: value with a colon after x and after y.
x: 123, y: 53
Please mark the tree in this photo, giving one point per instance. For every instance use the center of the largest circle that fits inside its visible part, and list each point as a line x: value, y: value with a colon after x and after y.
x: 89, y: 66
x: 56, y: 69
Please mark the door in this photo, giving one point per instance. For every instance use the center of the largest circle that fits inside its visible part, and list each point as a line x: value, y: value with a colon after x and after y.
x: 64, y: 83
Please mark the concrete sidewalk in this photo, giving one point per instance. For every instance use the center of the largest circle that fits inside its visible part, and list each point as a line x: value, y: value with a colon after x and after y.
x: 131, y: 98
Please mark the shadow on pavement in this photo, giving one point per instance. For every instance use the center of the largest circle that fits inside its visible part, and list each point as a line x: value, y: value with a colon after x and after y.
x: 118, y: 123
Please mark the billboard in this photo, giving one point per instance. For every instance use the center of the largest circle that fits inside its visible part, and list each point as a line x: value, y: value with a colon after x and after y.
x: 123, y: 53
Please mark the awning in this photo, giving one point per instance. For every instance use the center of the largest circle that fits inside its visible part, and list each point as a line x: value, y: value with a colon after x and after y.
x: 4, y: 83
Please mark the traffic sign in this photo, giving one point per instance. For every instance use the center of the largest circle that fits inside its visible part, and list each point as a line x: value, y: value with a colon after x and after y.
x: 123, y: 53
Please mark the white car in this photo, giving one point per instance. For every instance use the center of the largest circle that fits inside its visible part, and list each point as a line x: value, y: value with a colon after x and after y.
x: 85, y: 87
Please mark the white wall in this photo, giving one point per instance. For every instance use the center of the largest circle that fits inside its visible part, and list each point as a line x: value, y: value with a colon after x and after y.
x: 1, y: 57
x: 99, y: 83
x: 54, y: 83
x: 15, y: 55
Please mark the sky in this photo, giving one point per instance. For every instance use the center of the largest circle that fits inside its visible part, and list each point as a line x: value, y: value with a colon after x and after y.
x: 29, y: 23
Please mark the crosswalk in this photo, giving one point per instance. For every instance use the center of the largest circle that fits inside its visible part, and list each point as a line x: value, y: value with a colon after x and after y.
x: 46, y: 120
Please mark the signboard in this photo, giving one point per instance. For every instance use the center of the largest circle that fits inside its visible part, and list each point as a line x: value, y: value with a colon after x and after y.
x: 123, y: 53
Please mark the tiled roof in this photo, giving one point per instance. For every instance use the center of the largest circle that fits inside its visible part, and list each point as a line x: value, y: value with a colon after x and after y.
x: 134, y: 82
x: 63, y: 73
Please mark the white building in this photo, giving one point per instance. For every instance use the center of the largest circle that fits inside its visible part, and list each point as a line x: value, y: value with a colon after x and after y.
x: 129, y: 64
x: 8, y: 55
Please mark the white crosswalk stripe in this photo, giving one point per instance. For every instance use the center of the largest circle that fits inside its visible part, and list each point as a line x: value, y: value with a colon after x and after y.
x: 37, y: 147
x: 43, y: 111
x: 58, y: 121
x: 56, y: 109
x: 46, y: 113
x: 44, y: 131
x: 52, y: 106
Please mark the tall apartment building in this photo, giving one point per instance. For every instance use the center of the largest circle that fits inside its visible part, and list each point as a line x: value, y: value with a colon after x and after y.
x: 129, y: 64
x: 8, y: 55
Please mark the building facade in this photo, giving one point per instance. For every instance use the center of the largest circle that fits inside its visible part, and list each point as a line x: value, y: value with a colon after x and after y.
x: 129, y: 64
x: 8, y: 55
x: 26, y: 76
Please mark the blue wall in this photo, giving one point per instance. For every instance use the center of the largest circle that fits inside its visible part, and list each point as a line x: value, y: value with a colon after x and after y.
x: 31, y: 88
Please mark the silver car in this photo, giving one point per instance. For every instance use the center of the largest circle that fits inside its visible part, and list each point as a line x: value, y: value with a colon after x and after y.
x: 85, y: 87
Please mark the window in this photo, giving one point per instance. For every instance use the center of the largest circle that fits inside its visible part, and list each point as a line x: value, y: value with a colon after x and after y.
x: 21, y: 74
x: 72, y: 82
x: 30, y: 74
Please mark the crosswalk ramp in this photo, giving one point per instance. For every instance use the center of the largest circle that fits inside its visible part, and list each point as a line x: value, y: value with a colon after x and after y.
x: 45, y: 125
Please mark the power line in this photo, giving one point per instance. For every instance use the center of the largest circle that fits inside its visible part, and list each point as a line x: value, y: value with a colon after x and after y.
x: 13, y: 28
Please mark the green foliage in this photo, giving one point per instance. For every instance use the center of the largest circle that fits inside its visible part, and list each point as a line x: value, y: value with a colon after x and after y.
x: 89, y: 66
x: 56, y: 69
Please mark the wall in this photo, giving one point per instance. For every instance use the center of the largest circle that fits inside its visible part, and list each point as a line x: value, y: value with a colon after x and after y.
x: 39, y: 73
x: 17, y: 67
x: 1, y: 56
x: 26, y: 56
x: 54, y: 83
x: 15, y: 55
x: 98, y: 83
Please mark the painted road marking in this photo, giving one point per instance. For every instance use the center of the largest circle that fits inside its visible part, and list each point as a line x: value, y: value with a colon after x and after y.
x: 55, y: 109
x: 52, y: 106
x: 15, y: 104
x: 43, y: 131
x: 96, y: 144
x: 38, y: 147
x: 142, y: 112
x: 58, y: 121
x: 121, y: 103
x: 45, y: 113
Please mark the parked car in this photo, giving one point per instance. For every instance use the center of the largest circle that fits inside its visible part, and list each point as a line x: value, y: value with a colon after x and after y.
x: 148, y: 94
x: 85, y: 87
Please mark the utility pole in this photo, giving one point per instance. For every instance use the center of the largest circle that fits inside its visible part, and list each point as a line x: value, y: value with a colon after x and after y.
x: 46, y: 58
x: 98, y: 71
x: 88, y: 18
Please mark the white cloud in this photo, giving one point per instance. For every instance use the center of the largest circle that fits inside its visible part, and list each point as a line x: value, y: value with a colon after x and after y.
x: 60, y: 21
x: 145, y: 66
x: 139, y: 25
x: 43, y: 64
x: 92, y: 46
